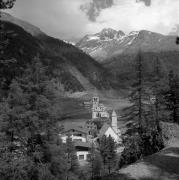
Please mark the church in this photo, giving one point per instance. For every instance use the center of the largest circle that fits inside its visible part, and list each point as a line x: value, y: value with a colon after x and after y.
x: 85, y: 135
x: 98, y: 109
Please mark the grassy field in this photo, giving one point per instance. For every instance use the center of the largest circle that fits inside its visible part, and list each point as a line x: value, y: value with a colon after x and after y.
x: 74, y: 111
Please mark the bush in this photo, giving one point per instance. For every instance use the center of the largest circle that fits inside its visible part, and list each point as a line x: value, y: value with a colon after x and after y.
x: 139, y: 145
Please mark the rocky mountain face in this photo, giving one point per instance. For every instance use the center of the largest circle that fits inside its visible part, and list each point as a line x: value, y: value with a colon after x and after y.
x: 117, y: 52
x: 68, y: 65
x: 110, y: 43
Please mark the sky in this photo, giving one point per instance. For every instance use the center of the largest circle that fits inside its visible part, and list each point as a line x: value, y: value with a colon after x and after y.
x: 72, y: 19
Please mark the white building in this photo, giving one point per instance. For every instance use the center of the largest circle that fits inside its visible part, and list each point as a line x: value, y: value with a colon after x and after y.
x: 79, y: 137
x: 114, y: 122
x: 75, y: 133
x: 107, y: 130
x: 82, y: 151
x: 98, y: 109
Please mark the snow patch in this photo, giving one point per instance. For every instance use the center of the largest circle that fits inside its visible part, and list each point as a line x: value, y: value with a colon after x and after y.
x: 131, y: 41
x: 93, y: 38
x: 68, y: 42
x: 133, y: 33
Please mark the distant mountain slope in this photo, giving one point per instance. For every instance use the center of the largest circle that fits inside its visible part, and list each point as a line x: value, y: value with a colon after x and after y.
x: 27, y: 41
x: 33, y: 30
x: 110, y: 43
x: 117, y: 52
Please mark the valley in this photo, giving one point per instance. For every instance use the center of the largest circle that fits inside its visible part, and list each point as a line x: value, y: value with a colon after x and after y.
x: 109, y: 101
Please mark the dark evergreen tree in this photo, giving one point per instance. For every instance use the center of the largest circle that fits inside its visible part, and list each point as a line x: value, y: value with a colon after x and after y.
x: 95, y: 164
x: 137, y: 97
x: 143, y: 114
x: 157, y: 84
x: 5, y: 63
x: 172, y: 97
x: 71, y: 155
x: 28, y: 128
x: 107, y: 148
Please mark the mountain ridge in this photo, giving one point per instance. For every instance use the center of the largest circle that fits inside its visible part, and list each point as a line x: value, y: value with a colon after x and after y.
x: 56, y: 54
x: 105, y: 48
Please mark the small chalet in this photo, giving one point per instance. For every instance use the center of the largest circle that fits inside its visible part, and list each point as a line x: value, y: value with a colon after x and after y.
x: 82, y: 151
x: 76, y: 133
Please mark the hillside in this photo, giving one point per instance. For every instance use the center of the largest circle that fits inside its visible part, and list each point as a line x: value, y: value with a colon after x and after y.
x: 62, y: 59
x: 110, y: 43
x: 117, y: 52
x: 163, y: 165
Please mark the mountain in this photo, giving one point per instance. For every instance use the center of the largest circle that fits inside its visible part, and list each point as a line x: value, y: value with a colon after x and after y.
x: 33, y: 30
x: 110, y: 43
x: 117, y: 52
x: 71, y: 67
x: 100, y: 44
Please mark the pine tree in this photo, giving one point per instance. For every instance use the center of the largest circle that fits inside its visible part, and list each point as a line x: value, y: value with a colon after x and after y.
x: 28, y: 127
x: 172, y: 97
x: 71, y: 155
x: 95, y: 164
x: 156, y: 84
x: 4, y: 40
x: 144, y: 128
x: 137, y: 97
x: 107, y: 149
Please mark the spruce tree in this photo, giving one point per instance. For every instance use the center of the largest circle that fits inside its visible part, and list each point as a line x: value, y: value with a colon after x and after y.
x: 71, y: 155
x: 95, y: 164
x: 137, y: 97
x: 172, y: 97
x: 5, y: 63
x: 28, y: 133
x: 107, y: 148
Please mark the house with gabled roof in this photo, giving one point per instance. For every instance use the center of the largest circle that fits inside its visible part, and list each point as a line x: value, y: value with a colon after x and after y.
x: 76, y: 133
x: 82, y: 151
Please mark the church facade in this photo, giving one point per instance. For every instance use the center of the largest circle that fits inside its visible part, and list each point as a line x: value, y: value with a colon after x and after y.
x: 98, y: 109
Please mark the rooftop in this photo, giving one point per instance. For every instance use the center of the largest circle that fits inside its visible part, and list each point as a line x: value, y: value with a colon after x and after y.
x: 82, y: 144
x: 68, y: 127
x: 103, y: 129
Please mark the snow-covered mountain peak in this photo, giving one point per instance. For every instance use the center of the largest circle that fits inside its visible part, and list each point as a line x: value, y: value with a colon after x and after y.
x: 110, y: 34
x: 109, y: 43
x: 134, y: 33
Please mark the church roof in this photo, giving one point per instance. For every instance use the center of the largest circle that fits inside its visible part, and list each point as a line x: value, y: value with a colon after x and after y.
x: 103, y: 129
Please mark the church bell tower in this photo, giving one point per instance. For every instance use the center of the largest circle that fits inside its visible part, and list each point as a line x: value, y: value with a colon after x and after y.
x: 114, y: 121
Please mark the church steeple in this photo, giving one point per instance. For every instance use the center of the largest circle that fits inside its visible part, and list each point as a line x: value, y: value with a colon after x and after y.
x: 114, y: 121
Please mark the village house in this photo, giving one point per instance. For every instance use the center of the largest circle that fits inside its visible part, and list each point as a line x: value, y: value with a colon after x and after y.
x: 82, y: 151
x: 84, y: 136
x: 76, y: 133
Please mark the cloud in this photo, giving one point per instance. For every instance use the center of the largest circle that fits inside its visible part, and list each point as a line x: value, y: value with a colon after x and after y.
x: 72, y: 19
x: 147, y: 2
x: 59, y: 18
x: 159, y: 17
x: 94, y: 7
